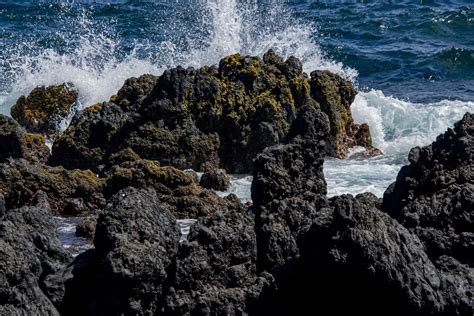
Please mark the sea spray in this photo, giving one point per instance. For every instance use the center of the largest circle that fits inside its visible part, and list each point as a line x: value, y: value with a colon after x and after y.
x: 96, y: 51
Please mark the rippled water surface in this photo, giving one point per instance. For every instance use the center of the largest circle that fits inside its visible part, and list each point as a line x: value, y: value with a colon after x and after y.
x: 413, y: 61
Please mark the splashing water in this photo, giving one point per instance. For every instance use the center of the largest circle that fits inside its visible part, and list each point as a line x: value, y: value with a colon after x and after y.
x: 91, y: 55
x: 92, y: 51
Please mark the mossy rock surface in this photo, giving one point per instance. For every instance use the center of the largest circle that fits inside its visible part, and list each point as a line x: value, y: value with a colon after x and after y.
x: 21, y: 180
x: 15, y: 142
x: 176, y: 188
x: 44, y: 108
x: 79, y: 192
x: 221, y: 115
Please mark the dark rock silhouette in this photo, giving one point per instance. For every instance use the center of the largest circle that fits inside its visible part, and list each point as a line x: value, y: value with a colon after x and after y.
x: 29, y: 251
x: 223, y: 116
x: 16, y: 143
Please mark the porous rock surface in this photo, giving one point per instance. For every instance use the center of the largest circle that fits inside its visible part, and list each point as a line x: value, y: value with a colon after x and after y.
x: 223, y: 116
x: 294, y: 251
x: 29, y: 252
x: 17, y: 143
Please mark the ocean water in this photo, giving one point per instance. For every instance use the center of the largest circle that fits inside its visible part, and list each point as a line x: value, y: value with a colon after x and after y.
x: 412, y: 61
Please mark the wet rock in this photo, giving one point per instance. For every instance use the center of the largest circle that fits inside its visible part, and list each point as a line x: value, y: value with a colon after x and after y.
x: 335, y: 95
x: 29, y: 251
x: 44, y: 108
x: 86, y: 229
x: 15, y: 142
x: 367, y: 153
x: 216, y: 179
x: 224, y: 115
x: 434, y: 195
x: 69, y: 191
x: 134, y: 89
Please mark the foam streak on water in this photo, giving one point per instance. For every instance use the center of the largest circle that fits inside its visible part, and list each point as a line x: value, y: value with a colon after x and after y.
x: 396, y: 127
x: 92, y: 49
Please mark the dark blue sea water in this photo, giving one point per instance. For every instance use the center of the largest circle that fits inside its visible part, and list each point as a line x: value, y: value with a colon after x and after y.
x: 413, y: 61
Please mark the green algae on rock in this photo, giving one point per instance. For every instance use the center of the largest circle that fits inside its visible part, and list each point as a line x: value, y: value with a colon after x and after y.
x: 44, y: 108
x: 220, y: 115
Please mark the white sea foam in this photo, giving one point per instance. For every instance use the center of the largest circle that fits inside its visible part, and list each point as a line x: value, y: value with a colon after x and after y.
x: 396, y: 127
x: 184, y: 227
x: 91, y: 58
x: 66, y: 227
x: 92, y: 63
x: 240, y: 186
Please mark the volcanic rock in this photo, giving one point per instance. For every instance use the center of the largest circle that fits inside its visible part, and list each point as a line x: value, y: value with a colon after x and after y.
x: 222, y: 115
x: 178, y: 189
x: 15, y: 142
x: 289, y: 189
x: 29, y: 251
x: 73, y: 191
x: 434, y: 195
x: 216, y: 267
x: 134, y: 90
x: 216, y: 179
x: 44, y: 108
x: 335, y: 96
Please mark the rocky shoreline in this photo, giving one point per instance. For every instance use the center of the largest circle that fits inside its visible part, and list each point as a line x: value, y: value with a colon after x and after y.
x: 124, y: 165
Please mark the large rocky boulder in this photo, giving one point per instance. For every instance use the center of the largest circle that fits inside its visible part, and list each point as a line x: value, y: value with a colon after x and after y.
x: 335, y: 96
x: 29, y: 252
x: 15, y: 142
x: 216, y: 179
x: 216, y: 268
x: 222, y: 115
x: 136, y: 241
x: 70, y: 192
x: 83, y: 144
x: 289, y: 190
x: 434, y: 195
x: 44, y: 108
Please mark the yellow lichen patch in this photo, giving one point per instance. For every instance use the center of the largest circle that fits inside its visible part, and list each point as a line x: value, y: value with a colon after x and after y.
x: 95, y: 107
x: 33, y: 140
x: 85, y: 174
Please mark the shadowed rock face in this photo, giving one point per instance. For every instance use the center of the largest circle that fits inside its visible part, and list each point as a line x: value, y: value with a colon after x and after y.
x: 216, y: 267
x: 222, y: 115
x: 29, y: 252
x: 346, y: 249
x: 434, y: 198
x: 289, y: 189
x: 136, y: 240
x: 434, y: 195
x: 17, y: 143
